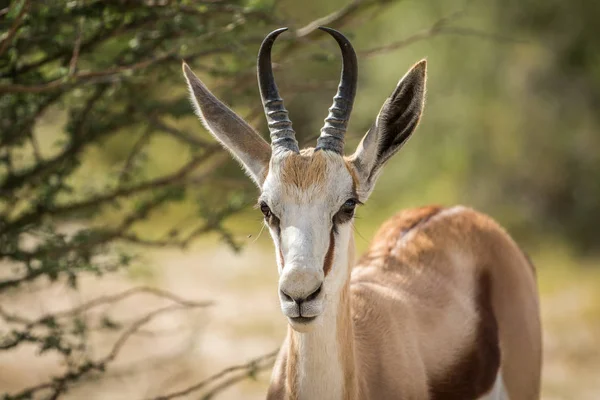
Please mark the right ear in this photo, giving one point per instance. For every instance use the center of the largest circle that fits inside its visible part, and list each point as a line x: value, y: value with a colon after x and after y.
x: 395, y: 123
x: 230, y: 129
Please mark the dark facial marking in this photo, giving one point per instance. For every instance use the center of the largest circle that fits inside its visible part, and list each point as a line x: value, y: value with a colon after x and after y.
x: 329, y: 255
x: 345, y: 213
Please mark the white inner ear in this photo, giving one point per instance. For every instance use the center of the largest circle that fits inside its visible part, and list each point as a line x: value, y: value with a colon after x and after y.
x: 364, y: 159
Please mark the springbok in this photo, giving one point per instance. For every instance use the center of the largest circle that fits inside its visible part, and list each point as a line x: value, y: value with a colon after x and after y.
x: 443, y: 305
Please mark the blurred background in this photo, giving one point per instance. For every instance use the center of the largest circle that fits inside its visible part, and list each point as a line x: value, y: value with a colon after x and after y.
x: 129, y: 245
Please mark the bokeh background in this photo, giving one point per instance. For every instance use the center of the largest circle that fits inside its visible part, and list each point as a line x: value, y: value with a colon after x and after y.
x: 121, y: 219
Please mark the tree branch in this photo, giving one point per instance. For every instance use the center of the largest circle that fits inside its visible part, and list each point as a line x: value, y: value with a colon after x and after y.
x: 59, y: 384
x: 78, y: 78
x: 232, y: 374
x: 438, y: 28
x: 100, y: 199
x: 5, y: 42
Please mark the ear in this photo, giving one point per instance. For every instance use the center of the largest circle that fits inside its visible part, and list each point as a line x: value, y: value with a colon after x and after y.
x: 229, y: 129
x: 395, y: 123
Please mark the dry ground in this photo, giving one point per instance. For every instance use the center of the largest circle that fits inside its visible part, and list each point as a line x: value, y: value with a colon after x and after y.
x: 179, y: 349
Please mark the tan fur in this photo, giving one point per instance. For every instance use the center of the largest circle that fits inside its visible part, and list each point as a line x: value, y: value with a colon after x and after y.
x: 292, y: 370
x: 353, y: 174
x: 412, y: 307
x: 345, y: 335
x: 303, y: 170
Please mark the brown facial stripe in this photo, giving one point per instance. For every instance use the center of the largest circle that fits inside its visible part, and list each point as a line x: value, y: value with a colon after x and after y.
x: 281, y: 262
x: 475, y: 373
x: 354, y: 178
x: 329, y: 255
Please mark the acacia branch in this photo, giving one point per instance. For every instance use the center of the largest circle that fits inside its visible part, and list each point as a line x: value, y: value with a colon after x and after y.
x: 111, y: 299
x: 5, y: 42
x: 100, y: 199
x: 232, y: 375
x: 440, y: 27
x: 186, y: 137
x: 338, y: 18
x: 13, y: 181
x: 59, y: 384
x: 135, y: 150
x: 78, y: 78
x: 76, y: 49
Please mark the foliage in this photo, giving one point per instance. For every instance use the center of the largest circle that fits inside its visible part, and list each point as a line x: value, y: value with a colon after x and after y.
x: 112, y: 71
x: 98, y: 140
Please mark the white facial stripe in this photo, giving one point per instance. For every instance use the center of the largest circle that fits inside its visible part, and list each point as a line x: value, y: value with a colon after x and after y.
x: 305, y: 201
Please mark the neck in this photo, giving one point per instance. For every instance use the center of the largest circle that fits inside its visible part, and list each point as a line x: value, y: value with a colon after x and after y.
x: 320, y: 363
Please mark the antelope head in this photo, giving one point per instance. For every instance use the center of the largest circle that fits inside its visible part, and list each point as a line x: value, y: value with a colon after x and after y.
x: 308, y: 197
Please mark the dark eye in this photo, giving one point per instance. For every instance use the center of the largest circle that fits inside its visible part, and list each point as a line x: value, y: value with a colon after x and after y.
x: 264, y: 208
x: 345, y: 213
x: 349, y: 206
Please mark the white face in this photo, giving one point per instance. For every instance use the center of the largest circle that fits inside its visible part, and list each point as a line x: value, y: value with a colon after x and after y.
x: 308, y: 200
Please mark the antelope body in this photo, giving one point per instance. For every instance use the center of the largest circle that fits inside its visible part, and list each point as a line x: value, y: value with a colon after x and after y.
x: 442, y: 306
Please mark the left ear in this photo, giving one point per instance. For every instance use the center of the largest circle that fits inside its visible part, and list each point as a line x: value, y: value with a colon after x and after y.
x: 395, y: 123
x: 230, y: 129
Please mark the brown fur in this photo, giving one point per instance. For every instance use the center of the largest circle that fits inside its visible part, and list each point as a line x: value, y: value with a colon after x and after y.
x: 352, y: 172
x: 440, y: 296
x: 345, y: 334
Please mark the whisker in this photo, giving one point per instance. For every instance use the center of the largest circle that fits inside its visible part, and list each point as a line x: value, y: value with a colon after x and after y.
x: 358, y: 233
x: 262, y: 228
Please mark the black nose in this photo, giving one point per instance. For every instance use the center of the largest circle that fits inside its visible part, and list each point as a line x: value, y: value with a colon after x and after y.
x: 300, y: 300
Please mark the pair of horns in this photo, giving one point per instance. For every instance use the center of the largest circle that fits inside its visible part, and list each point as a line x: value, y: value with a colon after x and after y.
x: 280, y: 127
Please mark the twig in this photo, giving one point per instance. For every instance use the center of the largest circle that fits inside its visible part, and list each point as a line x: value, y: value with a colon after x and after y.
x: 93, y: 201
x: 438, y: 28
x: 179, y: 134
x: 182, y: 243
x: 233, y: 374
x: 77, y: 78
x: 128, y: 293
x: 5, y: 42
x: 59, y: 384
x: 338, y: 18
x: 76, y: 49
x: 34, y: 144
x: 137, y: 147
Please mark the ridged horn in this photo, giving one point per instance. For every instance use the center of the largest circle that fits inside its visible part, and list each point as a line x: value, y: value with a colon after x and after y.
x: 334, y: 130
x: 280, y: 126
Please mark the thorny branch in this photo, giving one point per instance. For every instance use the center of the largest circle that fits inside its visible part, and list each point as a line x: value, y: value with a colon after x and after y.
x: 5, y: 42
x: 440, y: 27
x: 103, y: 300
x: 166, y: 180
x: 228, y: 376
x: 59, y: 384
x: 77, y: 78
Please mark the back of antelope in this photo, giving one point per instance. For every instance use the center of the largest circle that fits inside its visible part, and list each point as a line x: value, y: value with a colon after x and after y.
x: 442, y: 306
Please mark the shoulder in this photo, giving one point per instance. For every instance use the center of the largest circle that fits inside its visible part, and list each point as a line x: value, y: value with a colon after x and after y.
x: 436, y: 222
x: 435, y: 234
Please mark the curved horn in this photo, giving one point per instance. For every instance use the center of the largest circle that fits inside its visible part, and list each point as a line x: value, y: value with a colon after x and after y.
x: 280, y: 126
x: 332, y: 133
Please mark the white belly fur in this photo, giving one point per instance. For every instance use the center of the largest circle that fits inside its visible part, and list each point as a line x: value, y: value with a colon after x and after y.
x: 498, y: 391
